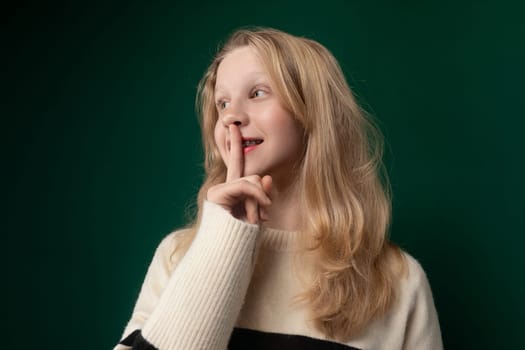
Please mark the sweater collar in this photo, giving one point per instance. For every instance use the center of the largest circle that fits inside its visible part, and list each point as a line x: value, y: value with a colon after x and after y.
x: 281, y: 240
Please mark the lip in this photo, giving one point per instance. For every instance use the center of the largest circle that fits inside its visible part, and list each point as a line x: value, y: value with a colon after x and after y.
x: 249, y: 148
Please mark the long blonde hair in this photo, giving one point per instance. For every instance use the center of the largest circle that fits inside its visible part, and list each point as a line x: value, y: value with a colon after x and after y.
x: 345, y: 191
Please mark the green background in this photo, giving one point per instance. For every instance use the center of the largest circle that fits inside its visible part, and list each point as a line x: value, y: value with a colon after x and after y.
x: 102, y: 154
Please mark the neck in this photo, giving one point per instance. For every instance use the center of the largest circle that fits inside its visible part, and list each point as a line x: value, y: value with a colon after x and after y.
x: 284, y: 213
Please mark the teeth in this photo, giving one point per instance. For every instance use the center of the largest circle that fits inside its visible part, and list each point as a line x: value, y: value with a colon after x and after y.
x: 251, y: 142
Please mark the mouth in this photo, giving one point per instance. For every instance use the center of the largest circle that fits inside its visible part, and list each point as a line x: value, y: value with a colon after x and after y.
x: 251, y: 142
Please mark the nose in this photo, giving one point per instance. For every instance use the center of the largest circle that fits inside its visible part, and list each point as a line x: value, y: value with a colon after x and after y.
x: 236, y: 116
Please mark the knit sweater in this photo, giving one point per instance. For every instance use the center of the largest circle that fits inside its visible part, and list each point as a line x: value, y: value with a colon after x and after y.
x: 235, y: 286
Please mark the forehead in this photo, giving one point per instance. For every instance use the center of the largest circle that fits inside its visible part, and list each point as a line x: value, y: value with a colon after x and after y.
x: 239, y: 65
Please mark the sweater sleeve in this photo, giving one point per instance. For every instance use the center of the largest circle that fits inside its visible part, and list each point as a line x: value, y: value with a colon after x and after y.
x: 422, y: 329
x: 196, y: 306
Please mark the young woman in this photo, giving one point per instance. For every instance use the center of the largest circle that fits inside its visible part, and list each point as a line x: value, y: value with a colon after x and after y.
x: 289, y: 248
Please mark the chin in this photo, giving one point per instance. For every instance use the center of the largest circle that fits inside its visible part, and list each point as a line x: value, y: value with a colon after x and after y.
x: 255, y: 171
x: 248, y: 173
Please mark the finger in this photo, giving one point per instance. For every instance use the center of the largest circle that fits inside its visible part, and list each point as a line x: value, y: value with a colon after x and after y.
x: 263, y: 214
x: 228, y: 194
x: 236, y: 157
x: 252, y: 191
x: 252, y: 210
x: 266, y: 183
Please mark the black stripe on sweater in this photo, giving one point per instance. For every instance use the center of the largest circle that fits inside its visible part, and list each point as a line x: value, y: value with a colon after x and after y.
x: 242, y: 338
x: 137, y: 341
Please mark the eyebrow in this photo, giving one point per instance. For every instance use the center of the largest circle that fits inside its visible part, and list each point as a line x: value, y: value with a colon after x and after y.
x: 253, y: 75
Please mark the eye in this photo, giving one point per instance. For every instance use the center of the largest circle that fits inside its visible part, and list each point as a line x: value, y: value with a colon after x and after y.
x: 221, y: 104
x: 258, y: 93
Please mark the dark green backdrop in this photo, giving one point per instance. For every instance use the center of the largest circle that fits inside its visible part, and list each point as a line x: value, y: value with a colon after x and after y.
x: 102, y: 149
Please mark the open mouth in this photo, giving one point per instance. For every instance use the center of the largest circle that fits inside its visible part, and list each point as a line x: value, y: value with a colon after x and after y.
x: 251, y: 142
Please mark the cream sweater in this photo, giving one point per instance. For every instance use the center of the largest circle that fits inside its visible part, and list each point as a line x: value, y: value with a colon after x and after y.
x: 196, y: 301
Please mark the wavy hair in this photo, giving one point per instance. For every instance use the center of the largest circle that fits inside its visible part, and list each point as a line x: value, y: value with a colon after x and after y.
x: 344, y: 187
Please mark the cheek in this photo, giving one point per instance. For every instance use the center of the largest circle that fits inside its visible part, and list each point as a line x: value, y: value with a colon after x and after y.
x: 294, y: 139
x: 292, y: 136
x: 289, y: 129
x: 219, y: 134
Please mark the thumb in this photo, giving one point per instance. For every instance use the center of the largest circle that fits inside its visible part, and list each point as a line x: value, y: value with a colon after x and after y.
x: 266, y: 183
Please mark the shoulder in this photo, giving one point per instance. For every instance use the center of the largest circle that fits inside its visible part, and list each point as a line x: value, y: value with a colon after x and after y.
x: 170, y: 249
x: 415, y: 286
x: 172, y: 240
x: 411, y: 321
x: 415, y: 272
x: 417, y: 310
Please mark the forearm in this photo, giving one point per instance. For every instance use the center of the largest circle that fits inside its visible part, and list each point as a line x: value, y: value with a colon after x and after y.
x: 203, y: 297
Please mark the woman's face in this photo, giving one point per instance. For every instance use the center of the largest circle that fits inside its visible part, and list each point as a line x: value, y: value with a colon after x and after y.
x: 271, y: 138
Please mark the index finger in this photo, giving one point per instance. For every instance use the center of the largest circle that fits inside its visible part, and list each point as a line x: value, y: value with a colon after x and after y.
x: 236, y: 157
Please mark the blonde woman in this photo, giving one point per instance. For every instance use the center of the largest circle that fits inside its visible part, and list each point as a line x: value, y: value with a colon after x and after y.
x: 289, y: 248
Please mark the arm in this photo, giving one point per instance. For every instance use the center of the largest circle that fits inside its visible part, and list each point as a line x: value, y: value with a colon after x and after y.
x: 201, y: 300
x: 203, y: 297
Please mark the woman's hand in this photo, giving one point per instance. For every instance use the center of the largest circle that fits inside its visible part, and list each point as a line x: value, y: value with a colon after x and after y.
x: 245, y: 197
